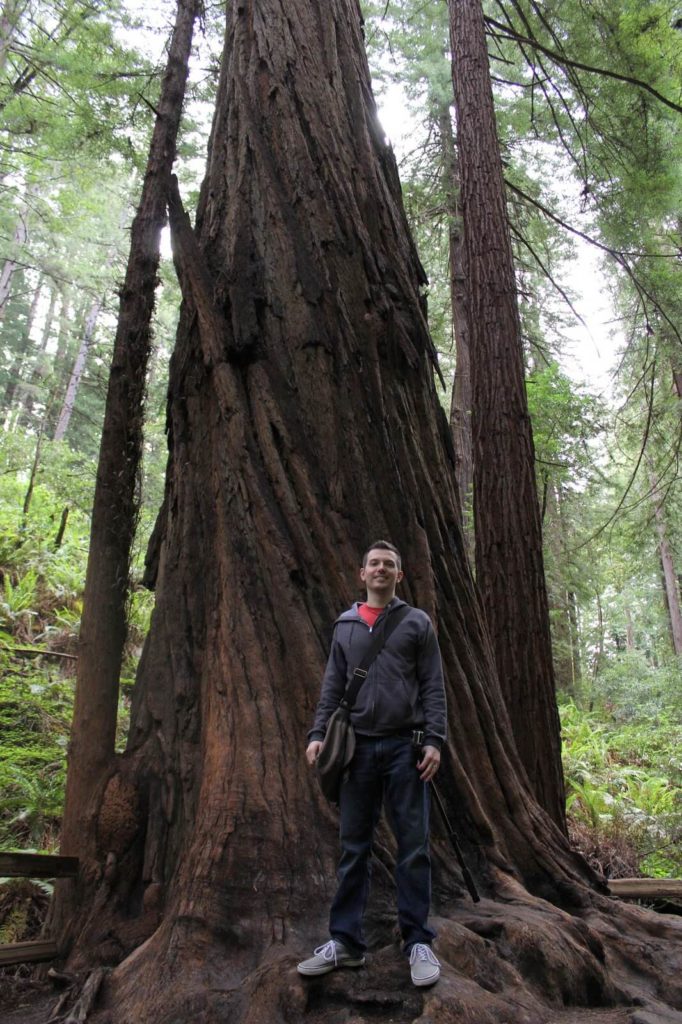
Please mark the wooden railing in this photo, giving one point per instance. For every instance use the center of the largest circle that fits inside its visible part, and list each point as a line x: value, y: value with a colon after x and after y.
x: 33, y: 865
x: 646, y: 888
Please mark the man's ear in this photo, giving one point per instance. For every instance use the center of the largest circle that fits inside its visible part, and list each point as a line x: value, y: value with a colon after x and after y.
x: 401, y: 576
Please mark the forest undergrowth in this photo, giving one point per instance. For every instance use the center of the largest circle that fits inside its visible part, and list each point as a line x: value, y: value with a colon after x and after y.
x: 622, y: 731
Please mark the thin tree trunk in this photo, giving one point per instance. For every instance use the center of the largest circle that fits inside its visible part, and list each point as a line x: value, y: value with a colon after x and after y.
x: 60, y: 375
x: 14, y: 377
x: 460, y: 408
x: 39, y: 372
x: 672, y: 595
x: 629, y: 630
x: 10, y: 265
x: 677, y: 380
x: 509, y: 558
x: 599, y: 656
x: 59, y: 536
x: 8, y: 24
x: 565, y: 640
x: 28, y: 497
x: 114, y: 517
x: 575, y: 639
x: 78, y: 368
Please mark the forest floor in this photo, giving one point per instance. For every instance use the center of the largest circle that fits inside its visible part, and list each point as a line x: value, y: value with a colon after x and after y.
x: 30, y: 1002
x: 26, y: 1002
x: 33, y: 1003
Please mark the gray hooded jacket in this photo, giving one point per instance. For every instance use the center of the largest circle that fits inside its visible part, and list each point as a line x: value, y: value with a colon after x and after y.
x: 404, y: 687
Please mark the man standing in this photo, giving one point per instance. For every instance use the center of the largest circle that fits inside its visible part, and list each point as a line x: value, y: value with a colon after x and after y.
x: 399, y: 710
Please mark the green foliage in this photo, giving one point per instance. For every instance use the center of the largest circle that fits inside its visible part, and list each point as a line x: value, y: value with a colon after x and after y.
x: 624, y: 771
x: 40, y: 584
x: 35, y: 714
x: 565, y: 422
x: 23, y: 903
x: 41, y: 588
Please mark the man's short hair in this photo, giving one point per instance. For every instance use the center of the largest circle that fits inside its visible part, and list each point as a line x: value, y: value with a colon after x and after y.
x: 382, y: 545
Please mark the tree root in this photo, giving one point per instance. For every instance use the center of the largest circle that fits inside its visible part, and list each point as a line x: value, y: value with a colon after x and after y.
x: 85, y: 1002
x: 515, y: 960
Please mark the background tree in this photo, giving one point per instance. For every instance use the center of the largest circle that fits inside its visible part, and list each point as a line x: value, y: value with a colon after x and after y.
x: 509, y: 558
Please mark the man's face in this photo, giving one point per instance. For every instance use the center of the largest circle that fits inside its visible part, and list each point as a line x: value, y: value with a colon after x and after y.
x: 380, y: 573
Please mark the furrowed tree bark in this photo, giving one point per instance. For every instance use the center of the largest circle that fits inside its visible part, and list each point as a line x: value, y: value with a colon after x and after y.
x: 114, y: 515
x: 509, y: 559
x: 303, y: 420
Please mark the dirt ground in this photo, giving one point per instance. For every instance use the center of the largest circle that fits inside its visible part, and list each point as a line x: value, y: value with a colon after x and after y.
x: 25, y: 1002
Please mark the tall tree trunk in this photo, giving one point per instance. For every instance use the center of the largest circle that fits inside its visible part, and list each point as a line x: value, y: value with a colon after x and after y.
x: 114, y: 516
x: 509, y: 560
x: 303, y: 419
x: 460, y: 407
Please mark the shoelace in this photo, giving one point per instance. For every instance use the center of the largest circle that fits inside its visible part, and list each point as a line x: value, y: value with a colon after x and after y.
x: 422, y: 952
x: 328, y: 951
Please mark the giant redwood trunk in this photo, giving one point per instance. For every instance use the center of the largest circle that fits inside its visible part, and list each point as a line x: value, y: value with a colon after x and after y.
x: 509, y: 560
x: 303, y: 422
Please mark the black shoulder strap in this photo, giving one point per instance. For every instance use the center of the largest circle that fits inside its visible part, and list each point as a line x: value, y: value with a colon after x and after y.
x: 379, y: 639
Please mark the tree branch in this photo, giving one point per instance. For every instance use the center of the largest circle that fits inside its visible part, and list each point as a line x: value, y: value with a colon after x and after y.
x: 568, y: 62
x: 547, y: 272
x: 615, y: 254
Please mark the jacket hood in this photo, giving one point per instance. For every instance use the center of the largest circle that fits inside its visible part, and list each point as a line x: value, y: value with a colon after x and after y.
x: 352, y: 613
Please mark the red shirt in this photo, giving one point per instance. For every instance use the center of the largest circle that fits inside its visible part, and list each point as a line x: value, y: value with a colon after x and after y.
x: 369, y: 614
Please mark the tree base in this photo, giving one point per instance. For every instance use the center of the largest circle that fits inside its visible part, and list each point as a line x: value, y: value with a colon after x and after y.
x: 513, y: 960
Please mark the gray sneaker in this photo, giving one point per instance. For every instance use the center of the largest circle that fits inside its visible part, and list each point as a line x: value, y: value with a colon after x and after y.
x: 424, y: 967
x: 328, y: 957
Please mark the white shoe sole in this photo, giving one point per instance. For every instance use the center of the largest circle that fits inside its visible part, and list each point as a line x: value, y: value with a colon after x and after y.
x: 313, y: 972
x: 421, y: 982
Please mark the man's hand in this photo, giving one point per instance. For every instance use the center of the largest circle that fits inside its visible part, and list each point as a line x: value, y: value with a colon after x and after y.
x: 312, y: 751
x: 429, y: 764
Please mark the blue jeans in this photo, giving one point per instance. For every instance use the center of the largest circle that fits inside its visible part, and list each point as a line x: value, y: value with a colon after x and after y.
x: 383, y: 767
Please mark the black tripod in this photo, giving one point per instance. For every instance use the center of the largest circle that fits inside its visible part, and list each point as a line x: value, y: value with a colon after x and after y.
x: 466, y: 874
x: 417, y: 742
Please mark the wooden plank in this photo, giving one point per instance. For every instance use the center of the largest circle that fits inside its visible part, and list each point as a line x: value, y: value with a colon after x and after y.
x: 27, y: 952
x: 646, y: 888
x: 37, y: 865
